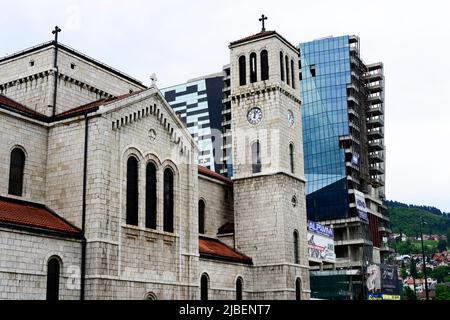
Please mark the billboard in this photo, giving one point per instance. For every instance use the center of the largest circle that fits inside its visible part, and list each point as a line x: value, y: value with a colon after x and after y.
x: 321, y: 242
x: 373, y: 276
x: 361, y: 205
x: 389, y: 280
x: 382, y: 282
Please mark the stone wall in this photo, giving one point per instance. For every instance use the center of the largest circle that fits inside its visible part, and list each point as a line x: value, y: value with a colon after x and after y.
x: 33, y: 85
x: 218, y: 198
x: 23, y: 265
x: 32, y: 139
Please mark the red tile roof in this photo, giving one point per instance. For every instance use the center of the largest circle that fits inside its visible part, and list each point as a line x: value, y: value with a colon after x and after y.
x: 93, y: 106
x: 226, y: 228
x: 9, y: 103
x: 80, y: 110
x: 212, y: 248
x: 26, y: 214
x: 212, y: 174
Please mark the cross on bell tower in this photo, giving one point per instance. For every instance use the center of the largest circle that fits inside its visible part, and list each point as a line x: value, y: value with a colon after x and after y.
x: 56, y: 31
x: 262, y: 19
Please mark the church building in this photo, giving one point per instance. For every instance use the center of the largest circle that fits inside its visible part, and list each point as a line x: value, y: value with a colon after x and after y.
x: 102, y: 197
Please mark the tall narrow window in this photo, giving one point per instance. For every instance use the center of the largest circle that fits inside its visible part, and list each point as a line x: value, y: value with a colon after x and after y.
x: 204, y: 284
x: 150, y: 197
x: 298, y: 290
x: 168, y: 200
x: 16, y: 168
x: 239, y: 289
x: 292, y: 74
x: 253, y: 68
x: 53, y: 275
x: 132, y: 191
x: 291, y: 156
x: 286, y: 62
x: 242, y: 71
x: 256, y: 157
x: 264, y: 65
x: 201, y: 217
x: 281, y: 66
x: 296, y: 257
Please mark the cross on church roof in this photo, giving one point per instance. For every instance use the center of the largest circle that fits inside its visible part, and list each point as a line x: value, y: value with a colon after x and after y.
x: 262, y: 19
x: 55, y: 32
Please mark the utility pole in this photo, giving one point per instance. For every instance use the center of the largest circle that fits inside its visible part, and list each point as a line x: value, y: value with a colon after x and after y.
x: 423, y: 259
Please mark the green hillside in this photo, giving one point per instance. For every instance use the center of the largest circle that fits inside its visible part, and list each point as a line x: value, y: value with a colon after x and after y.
x: 406, y: 219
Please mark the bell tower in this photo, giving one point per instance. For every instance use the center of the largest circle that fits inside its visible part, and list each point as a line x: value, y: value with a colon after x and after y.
x: 268, y: 174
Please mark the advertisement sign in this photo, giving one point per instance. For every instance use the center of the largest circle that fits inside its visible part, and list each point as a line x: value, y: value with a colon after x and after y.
x: 320, y: 242
x: 390, y: 297
x: 373, y: 278
x: 320, y: 229
x: 361, y: 205
x: 382, y: 282
x: 389, y: 280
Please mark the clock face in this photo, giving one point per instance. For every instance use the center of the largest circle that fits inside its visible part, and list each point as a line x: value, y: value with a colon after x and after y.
x: 290, y: 118
x: 254, y: 116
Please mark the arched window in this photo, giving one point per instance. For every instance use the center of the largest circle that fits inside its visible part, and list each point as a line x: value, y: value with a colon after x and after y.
x: 242, y: 71
x: 291, y: 156
x: 201, y: 217
x: 204, y: 286
x: 286, y: 63
x: 256, y: 157
x: 132, y: 191
x: 168, y: 200
x: 53, y: 275
x: 298, y: 289
x: 150, y: 197
x: 292, y: 74
x: 151, y: 296
x: 253, y: 68
x: 264, y: 65
x: 281, y: 66
x: 16, y: 167
x: 296, y: 256
x: 239, y: 289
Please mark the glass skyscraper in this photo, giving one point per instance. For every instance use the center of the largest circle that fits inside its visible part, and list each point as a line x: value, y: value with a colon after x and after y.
x: 325, y: 75
x: 344, y: 153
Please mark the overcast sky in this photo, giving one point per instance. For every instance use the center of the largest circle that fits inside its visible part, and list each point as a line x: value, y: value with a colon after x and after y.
x: 180, y: 40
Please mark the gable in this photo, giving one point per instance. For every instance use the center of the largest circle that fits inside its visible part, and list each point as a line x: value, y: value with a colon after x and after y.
x: 126, y: 112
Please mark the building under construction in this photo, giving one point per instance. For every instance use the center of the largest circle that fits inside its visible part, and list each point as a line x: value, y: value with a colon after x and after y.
x: 343, y: 135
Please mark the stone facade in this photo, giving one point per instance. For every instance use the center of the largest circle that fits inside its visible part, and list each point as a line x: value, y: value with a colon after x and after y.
x: 23, y: 265
x: 269, y: 203
x: 29, y: 77
x: 134, y: 262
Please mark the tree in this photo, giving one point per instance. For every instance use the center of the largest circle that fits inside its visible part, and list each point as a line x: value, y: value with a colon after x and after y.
x: 442, y: 245
x: 440, y: 273
x: 413, y: 268
x: 442, y: 292
x: 409, y: 294
x: 448, y: 237
x: 403, y: 272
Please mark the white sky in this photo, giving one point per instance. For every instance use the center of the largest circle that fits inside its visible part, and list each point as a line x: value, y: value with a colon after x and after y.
x: 179, y: 40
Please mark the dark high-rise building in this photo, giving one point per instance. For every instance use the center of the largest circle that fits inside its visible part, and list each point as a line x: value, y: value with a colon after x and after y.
x: 344, y: 152
x: 198, y: 103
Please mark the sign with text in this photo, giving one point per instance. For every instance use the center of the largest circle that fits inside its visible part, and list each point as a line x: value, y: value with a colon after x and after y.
x: 361, y: 205
x: 321, y: 242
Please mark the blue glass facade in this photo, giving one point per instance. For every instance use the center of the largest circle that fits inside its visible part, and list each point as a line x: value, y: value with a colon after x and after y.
x: 325, y: 74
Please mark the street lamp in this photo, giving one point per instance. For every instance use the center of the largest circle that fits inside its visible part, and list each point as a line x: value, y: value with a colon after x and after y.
x: 423, y: 258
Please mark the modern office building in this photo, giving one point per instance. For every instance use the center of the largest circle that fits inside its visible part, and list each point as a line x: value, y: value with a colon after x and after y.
x: 344, y: 151
x: 198, y: 103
